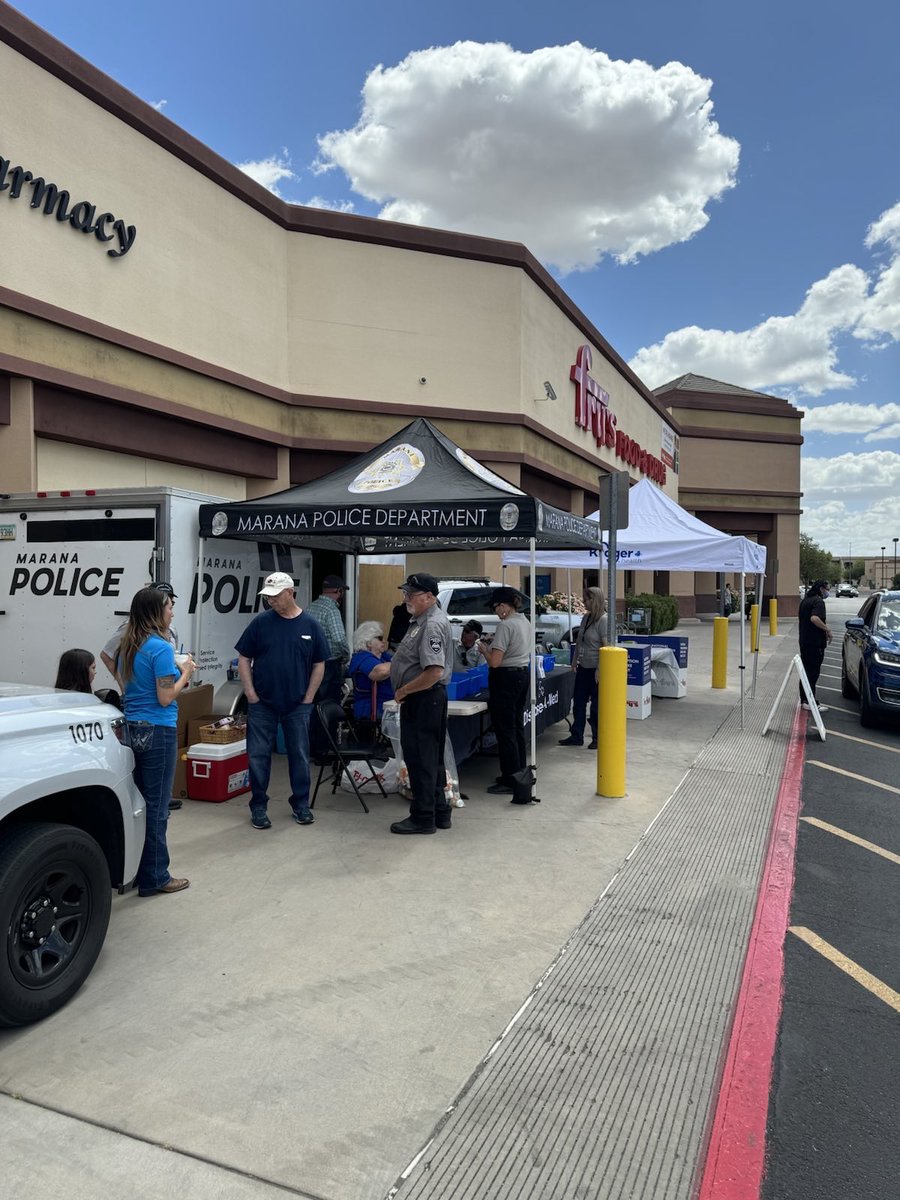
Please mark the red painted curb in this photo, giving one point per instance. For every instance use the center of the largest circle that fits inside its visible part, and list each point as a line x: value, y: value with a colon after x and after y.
x: 735, y: 1158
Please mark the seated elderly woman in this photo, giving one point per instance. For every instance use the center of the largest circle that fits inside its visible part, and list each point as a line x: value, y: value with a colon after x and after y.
x: 370, y: 664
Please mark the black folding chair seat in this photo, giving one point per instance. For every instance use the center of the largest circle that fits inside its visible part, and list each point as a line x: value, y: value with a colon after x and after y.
x: 343, y: 751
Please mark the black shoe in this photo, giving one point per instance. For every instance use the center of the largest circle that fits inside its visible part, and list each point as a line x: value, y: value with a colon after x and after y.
x: 410, y: 826
x: 260, y: 821
x: 174, y: 805
x: 499, y: 789
x: 516, y: 801
x: 442, y: 821
x: 592, y: 745
x: 303, y: 816
x: 571, y: 741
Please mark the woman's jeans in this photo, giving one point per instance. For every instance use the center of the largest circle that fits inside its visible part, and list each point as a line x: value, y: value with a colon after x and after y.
x: 155, y: 749
x: 262, y: 732
x: 507, y: 695
x: 585, y: 691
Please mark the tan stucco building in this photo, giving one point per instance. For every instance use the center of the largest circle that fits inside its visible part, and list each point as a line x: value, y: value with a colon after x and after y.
x: 164, y: 319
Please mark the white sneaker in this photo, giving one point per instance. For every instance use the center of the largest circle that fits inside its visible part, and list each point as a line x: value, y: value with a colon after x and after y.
x: 824, y: 708
x: 806, y: 708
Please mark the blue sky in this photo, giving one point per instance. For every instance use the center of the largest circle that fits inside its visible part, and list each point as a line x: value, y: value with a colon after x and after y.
x: 716, y: 186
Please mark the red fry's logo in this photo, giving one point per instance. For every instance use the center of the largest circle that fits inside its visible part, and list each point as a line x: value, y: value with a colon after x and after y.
x: 592, y: 401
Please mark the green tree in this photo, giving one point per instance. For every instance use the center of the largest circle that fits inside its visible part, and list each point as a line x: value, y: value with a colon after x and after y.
x: 816, y: 563
x: 859, y: 569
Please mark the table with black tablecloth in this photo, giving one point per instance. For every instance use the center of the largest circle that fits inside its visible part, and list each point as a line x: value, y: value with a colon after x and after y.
x: 554, y: 699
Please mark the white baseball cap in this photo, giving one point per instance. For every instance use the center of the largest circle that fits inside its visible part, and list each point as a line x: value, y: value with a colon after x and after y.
x: 275, y: 583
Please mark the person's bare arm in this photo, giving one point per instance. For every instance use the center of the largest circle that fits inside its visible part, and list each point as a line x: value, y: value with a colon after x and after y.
x: 111, y: 667
x: 245, y: 674
x: 382, y: 671
x: 168, y: 688
x: 315, y: 682
x: 820, y: 624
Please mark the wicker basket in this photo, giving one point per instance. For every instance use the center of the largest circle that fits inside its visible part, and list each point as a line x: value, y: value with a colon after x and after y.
x: 224, y: 736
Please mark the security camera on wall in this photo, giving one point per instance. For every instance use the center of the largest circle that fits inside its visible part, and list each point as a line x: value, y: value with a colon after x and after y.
x: 549, y: 393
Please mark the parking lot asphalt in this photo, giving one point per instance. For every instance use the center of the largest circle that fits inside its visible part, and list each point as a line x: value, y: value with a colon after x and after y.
x: 300, y: 1019
x: 832, y: 1125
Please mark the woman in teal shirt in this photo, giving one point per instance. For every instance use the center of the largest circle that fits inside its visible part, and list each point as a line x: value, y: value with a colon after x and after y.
x: 153, y: 681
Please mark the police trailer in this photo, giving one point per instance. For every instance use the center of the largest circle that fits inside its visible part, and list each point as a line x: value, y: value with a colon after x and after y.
x: 71, y: 561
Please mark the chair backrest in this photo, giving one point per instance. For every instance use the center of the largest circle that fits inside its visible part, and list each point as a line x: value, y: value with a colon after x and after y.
x: 332, y: 717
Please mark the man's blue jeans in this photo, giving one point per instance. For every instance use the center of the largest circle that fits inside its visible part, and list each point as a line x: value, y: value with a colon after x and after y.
x: 155, y: 749
x: 262, y: 731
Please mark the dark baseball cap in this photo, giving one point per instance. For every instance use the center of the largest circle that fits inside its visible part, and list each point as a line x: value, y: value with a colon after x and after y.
x: 473, y: 627
x: 332, y: 583
x: 420, y: 582
x: 165, y: 588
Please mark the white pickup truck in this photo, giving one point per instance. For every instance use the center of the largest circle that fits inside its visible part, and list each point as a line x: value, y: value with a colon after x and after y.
x: 470, y: 599
x: 71, y: 830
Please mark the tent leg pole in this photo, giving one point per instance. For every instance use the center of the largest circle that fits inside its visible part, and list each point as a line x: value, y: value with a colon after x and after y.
x: 741, y: 663
x: 198, y: 623
x: 533, y: 660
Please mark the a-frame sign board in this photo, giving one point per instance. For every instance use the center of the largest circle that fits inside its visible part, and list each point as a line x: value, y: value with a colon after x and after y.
x: 797, y: 665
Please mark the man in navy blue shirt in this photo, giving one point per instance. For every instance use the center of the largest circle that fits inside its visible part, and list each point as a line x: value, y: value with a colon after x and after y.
x: 281, y: 660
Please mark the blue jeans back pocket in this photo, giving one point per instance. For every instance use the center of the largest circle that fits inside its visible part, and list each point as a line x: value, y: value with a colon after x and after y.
x: 140, y: 736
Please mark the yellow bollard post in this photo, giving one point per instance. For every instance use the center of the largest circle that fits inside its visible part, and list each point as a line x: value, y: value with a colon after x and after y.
x: 611, y: 722
x: 754, y: 628
x: 773, y: 617
x: 720, y: 652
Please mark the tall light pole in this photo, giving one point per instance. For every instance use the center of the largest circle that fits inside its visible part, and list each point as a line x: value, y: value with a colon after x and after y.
x: 896, y: 540
x: 882, y: 566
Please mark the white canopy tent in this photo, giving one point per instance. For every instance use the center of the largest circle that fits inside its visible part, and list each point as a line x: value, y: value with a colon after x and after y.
x: 662, y: 536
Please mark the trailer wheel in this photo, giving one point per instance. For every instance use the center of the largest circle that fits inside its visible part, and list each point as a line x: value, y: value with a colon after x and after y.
x: 55, y: 900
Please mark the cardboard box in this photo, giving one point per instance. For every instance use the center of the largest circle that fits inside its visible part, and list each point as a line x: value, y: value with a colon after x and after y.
x: 179, y: 784
x: 192, y: 703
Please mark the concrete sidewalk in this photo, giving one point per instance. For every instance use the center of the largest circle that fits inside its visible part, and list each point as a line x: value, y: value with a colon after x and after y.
x: 304, y: 1015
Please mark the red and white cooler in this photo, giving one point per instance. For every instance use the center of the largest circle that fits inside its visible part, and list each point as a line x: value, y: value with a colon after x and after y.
x: 216, y: 773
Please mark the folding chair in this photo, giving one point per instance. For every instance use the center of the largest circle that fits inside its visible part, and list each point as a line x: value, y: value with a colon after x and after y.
x: 341, y: 753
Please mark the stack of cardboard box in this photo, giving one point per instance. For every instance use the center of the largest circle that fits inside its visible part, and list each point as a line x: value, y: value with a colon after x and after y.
x: 194, y: 706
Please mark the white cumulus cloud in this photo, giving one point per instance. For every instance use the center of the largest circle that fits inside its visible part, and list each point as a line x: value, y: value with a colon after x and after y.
x: 344, y: 206
x: 795, y: 353
x: 876, y: 422
x: 270, y: 172
x: 852, y: 500
x: 573, y: 153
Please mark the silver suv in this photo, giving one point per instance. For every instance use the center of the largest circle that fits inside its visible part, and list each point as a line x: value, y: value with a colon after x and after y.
x: 470, y: 599
x: 71, y: 829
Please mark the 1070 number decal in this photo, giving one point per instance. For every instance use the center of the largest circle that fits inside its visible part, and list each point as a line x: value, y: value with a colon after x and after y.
x: 91, y: 731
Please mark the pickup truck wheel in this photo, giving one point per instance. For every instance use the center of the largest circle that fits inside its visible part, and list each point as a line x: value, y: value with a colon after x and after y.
x: 55, y: 900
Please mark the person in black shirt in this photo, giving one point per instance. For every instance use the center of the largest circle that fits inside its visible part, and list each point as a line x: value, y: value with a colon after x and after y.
x: 814, y: 635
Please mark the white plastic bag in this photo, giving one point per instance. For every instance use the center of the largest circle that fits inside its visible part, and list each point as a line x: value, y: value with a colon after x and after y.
x: 367, y: 782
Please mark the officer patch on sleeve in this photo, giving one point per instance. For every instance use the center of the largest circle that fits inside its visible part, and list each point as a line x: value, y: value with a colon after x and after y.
x: 435, y: 643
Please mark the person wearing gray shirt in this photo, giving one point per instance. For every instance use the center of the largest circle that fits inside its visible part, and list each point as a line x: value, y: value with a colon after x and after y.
x: 508, y: 657
x: 420, y: 670
x: 586, y: 665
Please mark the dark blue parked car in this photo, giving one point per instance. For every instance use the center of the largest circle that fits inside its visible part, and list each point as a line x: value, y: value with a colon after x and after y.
x: 870, y: 659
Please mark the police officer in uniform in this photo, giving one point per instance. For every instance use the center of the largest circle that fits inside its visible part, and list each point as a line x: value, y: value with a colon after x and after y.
x: 420, y: 671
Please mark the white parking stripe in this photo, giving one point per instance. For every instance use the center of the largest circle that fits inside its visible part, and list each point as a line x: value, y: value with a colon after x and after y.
x: 863, y: 977
x: 851, y: 837
x: 885, y: 787
x: 865, y: 742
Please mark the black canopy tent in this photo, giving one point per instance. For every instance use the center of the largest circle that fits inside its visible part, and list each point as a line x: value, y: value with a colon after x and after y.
x: 416, y: 491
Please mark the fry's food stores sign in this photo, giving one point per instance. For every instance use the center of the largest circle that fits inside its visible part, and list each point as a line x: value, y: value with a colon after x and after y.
x: 592, y: 412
